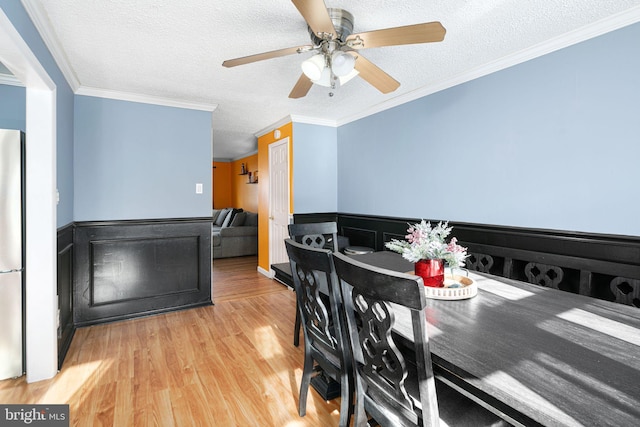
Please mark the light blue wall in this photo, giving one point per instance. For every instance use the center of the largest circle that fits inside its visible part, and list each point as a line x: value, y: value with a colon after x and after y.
x: 64, y: 107
x: 13, y: 104
x: 140, y: 161
x: 315, y: 168
x: 550, y: 143
x: 64, y: 158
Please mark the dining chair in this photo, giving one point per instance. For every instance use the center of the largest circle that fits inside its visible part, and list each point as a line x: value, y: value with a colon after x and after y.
x: 317, y: 235
x: 394, y: 384
x: 325, y: 337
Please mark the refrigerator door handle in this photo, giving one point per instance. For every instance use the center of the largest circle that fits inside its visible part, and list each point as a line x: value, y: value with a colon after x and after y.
x: 16, y: 270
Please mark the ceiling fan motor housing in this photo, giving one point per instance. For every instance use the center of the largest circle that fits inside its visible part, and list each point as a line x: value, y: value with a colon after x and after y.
x: 342, y: 22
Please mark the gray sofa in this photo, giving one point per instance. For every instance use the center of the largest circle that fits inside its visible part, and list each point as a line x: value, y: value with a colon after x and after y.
x: 234, y: 232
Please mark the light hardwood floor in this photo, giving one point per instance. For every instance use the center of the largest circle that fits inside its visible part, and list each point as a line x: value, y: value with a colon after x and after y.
x: 231, y: 364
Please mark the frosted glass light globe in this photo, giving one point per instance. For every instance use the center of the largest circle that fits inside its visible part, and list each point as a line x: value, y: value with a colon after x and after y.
x: 313, y: 67
x: 342, y: 63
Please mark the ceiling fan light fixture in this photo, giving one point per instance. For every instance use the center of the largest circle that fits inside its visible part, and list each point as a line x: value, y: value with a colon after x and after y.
x: 324, y: 79
x: 314, y: 67
x: 342, y: 63
x: 337, y: 48
x: 329, y: 79
x: 348, y: 77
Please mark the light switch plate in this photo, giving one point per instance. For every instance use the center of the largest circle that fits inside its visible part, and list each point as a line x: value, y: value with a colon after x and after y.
x: 198, y: 188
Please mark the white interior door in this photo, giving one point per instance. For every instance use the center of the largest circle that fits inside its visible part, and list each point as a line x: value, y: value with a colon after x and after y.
x: 278, y: 200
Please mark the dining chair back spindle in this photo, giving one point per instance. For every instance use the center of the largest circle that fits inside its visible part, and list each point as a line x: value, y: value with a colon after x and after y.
x: 324, y: 330
x: 317, y: 235
x: 394, y: 380
x: 549, y: 276
x: 626, y: 291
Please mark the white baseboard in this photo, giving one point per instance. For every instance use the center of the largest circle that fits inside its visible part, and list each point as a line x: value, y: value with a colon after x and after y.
x: 269, y: 273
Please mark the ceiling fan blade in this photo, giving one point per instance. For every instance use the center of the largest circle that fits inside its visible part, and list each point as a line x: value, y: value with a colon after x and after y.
x: 374, y: 75
x: 316, y: 14
x: 409, y: 34
x: 301, y: 88
x: 266, y: 55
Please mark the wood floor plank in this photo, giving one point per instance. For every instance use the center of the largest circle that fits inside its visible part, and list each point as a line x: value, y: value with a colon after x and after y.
x: 230, y: 364
x: 123, y: 414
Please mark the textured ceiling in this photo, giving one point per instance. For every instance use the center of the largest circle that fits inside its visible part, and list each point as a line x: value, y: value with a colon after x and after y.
x: 174, y: 50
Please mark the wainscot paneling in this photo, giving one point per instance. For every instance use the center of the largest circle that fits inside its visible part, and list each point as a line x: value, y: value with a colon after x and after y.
x: 66, y: 328
x: 597, y: 265
x: 126, y: 269
x: 315, y: 217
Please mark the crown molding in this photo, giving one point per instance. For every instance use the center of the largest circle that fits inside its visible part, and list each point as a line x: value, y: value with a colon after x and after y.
x: 229, y: 160
x: 283, y: 121
x: 612, y: 23
x: 43, y: 25
x: 145, y: 99
x: 20, y: 60
x: 6, y: 79
x: 292, y: 118
x: 314, y: 121
x: 244, y: 155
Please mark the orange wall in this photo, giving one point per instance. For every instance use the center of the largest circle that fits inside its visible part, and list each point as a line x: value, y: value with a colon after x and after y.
x: 245, y: 195
x: 230, y: 189
x: 222, y: 187
x: 263, y: 189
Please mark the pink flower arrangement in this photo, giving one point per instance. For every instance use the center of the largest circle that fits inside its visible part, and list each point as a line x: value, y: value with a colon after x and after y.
x: 427, y: 242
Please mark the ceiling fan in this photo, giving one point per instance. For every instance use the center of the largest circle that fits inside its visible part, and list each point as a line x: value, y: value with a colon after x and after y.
x: 338, y: 58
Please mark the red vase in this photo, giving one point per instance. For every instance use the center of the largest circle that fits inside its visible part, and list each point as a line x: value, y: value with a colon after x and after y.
x: 431, y: 271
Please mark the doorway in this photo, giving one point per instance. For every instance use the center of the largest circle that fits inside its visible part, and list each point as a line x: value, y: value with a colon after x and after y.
x: 40, y: 263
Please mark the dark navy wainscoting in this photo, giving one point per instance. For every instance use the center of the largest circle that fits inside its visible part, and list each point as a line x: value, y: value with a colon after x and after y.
x: 603, y: 266
x: 126, y: 269
x: 66, y: 328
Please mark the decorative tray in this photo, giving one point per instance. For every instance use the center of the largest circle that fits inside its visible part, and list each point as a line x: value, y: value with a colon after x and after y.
x: 467, y: 288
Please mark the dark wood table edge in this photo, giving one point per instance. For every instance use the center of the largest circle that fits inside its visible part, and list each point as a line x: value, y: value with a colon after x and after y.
x: 444, y: 372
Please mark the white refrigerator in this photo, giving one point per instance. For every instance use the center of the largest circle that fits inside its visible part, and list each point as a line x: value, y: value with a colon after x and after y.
x: 11, y: 253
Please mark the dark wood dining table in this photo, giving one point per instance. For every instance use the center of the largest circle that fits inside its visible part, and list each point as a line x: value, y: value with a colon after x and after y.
x: 533, y: 355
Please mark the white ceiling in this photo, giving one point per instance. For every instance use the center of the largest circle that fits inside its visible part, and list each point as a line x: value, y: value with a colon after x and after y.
x: 171, y: 52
